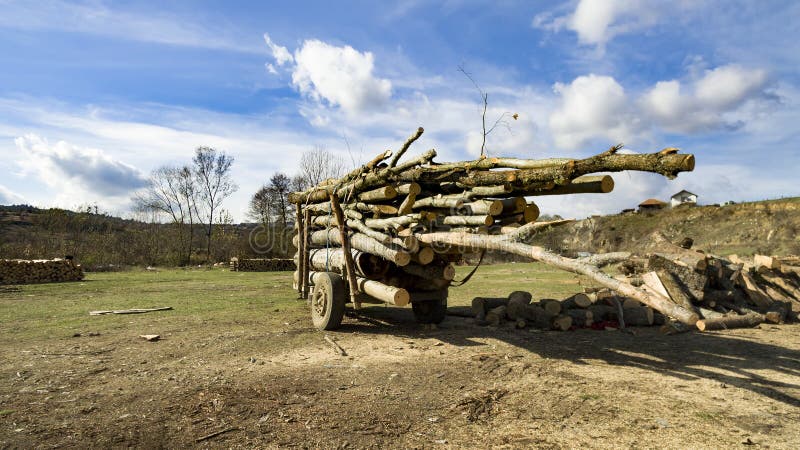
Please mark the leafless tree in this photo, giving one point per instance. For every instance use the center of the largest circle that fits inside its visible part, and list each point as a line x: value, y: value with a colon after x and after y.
x: 171, y: 191
x: 501, y: 121
x: 318, y: 165
x: 212, y: 170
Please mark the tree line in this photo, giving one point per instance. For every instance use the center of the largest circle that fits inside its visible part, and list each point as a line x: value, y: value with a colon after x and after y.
x: 178, y: 218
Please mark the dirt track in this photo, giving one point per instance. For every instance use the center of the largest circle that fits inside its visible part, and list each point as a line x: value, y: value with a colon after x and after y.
x: 406, y: 387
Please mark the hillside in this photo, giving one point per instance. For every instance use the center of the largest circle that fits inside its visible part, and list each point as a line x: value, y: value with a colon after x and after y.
x: 102, y: 242
x: 769, y: 227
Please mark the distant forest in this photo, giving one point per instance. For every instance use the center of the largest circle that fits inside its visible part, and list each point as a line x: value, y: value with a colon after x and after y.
x: 103, y: 242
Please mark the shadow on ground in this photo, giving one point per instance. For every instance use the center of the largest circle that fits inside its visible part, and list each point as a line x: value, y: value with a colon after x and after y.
x: 720, y: 356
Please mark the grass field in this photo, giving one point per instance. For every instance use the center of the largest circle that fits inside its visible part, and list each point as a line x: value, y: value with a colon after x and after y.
x: 238, y: 355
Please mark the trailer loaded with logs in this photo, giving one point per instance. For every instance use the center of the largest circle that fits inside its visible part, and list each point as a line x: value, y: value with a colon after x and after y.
x: 390, y: 231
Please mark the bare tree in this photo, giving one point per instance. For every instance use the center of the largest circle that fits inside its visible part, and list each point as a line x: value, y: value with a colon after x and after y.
x: 166, y: 192
x: 318, y: 165
x: 212, y: 170
x: 501, y: 121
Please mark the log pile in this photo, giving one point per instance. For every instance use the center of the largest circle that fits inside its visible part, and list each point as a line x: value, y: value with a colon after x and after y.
x: 417, y: 217
x: 17, y: 271
x: 724, y: 292
x: 261, y: 265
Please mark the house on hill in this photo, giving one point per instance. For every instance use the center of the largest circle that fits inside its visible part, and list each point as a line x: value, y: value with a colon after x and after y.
x: 683, y: 197
x: 651, y: 204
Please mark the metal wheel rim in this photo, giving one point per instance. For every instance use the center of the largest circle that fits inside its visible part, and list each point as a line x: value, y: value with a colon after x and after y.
x: 319, y: 302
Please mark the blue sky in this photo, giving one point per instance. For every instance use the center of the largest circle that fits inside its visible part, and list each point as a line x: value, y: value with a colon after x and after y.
x: 96, y: 94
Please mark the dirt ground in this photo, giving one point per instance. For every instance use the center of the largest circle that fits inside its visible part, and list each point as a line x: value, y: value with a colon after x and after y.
x: 401, y: 385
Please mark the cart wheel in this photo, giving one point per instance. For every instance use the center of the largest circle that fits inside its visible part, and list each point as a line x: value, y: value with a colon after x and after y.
x: 327, y: 301
x: 432, y: 311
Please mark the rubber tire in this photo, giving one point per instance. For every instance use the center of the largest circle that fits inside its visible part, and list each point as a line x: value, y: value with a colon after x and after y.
x: 330, y: 285
x: 431, y: 311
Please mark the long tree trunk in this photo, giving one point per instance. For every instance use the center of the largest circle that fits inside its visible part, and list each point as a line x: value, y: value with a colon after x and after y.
x: 501, y: 243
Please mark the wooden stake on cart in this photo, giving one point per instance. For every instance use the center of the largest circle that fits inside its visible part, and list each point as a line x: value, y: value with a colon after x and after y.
x: 306, y: 253
x: 349, y: 265
x: 301, y: 250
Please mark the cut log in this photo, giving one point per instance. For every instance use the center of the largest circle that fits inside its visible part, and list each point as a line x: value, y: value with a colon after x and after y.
x: 581, y: 318
x: 766, y: 261
x: 605, y: 259
x: 497, y: 316
x: 423, y: 256
x: 639, y: 317
x: 520, y: 297
x: 408, y: 204
x: 579, y: 300
x: 432, y: 271
x: 484, y: 207
x: 550, y: 306
x: 589, y: 184
x: 652, y: 281
x: 728, y: 322
x: 330, y: 260
x: 754, y: 293
x: 362, y: 242
x: 482, y: 305
x: 561, y: 322
x: 408, y: 188
x: 514, y: 205
x: 394, y: 223
x: 673, y: 287
x: 695, y: 260
x: 380, y: 194
x: 468, y: 220
x: 387, y: 294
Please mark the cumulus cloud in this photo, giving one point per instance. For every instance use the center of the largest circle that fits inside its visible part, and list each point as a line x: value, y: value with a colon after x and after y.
x: 66, y: 167
x: 9, y: 197
x: 705, y: 102
x: 595, y: 106
x: 596, y: 22
x: 339, y: 76
x: 591, y: 106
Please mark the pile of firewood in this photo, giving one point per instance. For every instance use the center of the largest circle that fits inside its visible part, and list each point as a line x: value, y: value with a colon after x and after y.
x: 724, y: 292
x: 393, y: 229
x: 17, y: 271
x: 261, y: 265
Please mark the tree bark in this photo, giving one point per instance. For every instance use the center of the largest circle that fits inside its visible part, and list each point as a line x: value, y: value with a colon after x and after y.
x: 362, y: 242
x: 728, y: 322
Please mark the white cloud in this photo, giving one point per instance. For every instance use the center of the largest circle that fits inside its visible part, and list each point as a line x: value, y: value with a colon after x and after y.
x: 591, y: 106
x: 9, y: 197
x: 705, y: 103
x: 71, y: 169
x: 280, y: 53
x: 596, y: 22
x: 338, y: 76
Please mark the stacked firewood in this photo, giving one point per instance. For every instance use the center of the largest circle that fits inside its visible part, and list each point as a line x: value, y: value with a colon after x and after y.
x: 393, y: 229
x: 725, y: 292
x: 595, y: 308
x: 261, y: 265
x: 17, y: 271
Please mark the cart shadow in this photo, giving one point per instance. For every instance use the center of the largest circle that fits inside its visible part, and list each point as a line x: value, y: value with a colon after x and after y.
x: 730, y: 360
